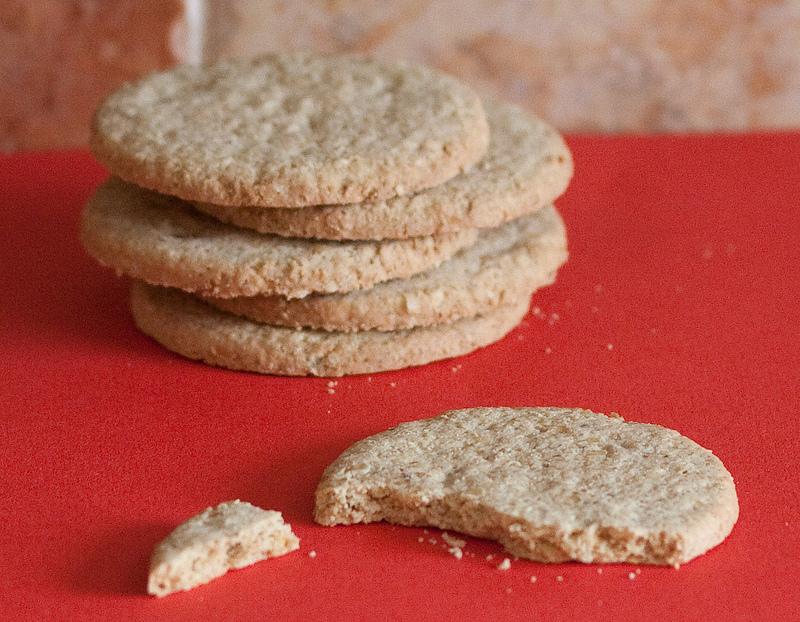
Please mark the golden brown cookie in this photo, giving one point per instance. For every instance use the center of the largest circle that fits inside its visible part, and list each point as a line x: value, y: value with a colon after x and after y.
x: 504, y: 267
x: 526, y: 167
x: 162, y: 240
x: 196, y: 330
x: 549, y: 484
x: 291, y: 129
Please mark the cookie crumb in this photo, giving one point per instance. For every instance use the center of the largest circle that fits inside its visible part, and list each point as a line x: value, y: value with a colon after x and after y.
x: 312, y: 554
x: 559, y: 578
x: 453, y: 541
x: 505, y: 564
x: 533, y: 578
x: 456, y: 545
x: 631, y: 575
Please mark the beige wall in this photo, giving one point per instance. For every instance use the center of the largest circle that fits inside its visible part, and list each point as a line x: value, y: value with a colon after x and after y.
x: 586, y: 65
x: 58, y: 57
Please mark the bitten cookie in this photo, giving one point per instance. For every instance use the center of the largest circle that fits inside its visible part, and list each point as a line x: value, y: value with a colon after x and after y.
x: 162, y: 240
x: 504, y: 267
x: 196, y: 330
x: 549, y: 484
x: 527, y: 166
x: 232, y: 535
x: 291, y: 129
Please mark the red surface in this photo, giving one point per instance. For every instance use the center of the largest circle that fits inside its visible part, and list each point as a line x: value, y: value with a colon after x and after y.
x: 678, y: 306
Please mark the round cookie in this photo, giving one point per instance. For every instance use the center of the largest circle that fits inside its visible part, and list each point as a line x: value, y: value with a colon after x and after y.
x: 550, y: 484
x: 162, y: 240
x: 526, y: 167
x: 196, y: 330
x: 290, y: 129
x: 504, y: 266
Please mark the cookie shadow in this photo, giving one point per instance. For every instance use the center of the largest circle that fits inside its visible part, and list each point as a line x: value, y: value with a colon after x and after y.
x: 117, y: 562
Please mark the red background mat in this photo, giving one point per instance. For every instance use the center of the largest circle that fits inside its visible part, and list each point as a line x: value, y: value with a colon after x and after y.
x: 678, y: 306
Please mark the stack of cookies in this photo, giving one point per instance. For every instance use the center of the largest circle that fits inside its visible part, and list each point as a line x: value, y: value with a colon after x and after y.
x: 308, y: 214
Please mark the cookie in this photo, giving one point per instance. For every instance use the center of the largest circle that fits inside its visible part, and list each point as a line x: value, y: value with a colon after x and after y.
x: 549, y: 484
x: 232, y: 535
x: 196, y: 330
x: 291, y: 129
x: 526, y: 167
x: 504, y: 267
x: 162, y: 240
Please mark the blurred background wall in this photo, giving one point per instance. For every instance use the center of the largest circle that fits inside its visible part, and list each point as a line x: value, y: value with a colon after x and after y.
x: 585, y: 65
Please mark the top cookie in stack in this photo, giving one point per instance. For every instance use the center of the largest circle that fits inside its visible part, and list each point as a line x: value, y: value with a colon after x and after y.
x: 310, y: 214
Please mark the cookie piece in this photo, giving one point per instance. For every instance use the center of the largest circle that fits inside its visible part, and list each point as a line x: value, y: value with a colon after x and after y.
x: 162, y: 240
x: 549, y: 484
x: 196, y: 330
x: 527, y: 166
x: 232, y: 535
x: 291, y: 129
x: 504, y: 266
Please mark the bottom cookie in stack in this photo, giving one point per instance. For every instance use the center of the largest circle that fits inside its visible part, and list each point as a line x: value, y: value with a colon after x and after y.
x: 191, y: 328
x: 467, y: 302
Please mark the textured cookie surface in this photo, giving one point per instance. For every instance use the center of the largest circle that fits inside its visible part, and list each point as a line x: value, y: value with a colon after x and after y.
x: 231, y: 535
x: 162, y: 240
x: 290, y: 129
x: 504, y: 267
x: 550, y: 484
x: 194, y: 329
x: 526, y: 167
